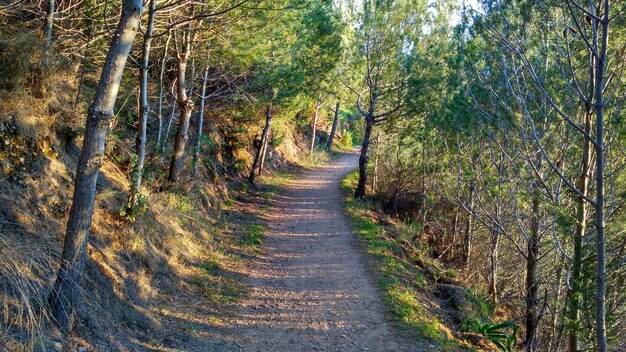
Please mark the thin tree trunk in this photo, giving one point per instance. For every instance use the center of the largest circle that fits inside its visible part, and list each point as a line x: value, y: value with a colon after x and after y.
x: 532, y: 285
x: 168, y: 128
x: 48, y: 33
x: 333, y: 130
x: 84, y: 64
x: 142, y: 124
x: 314, y: 127
x: 574, y: 293
x: 554, y: 338
x: 185, y: 103
x: 600, y: 299
x: 495, y: 237
x: 397, y: 183
x: 376, y: 156
x: 493, y: 259
x: 469, y: 229
x: 177, y: 161
x: 65, y: 294
x: 257, y: 157
x: 455, y: 230
x: 360, y: 188
x: 196, y: 155
x: 160, y: 113
x: 423, y: 210
x: 264, y: 153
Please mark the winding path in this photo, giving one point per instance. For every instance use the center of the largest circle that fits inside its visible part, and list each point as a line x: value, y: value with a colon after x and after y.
x: 310, y: 288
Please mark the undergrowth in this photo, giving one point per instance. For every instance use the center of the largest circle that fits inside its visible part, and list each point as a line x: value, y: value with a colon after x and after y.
x: 399, y: 279
x: 419, y: 290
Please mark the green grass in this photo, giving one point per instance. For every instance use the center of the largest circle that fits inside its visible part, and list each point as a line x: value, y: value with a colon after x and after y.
x: 210, y: 267
x: 252, y: 234
x: 216, y: 285
x: 218, y: 289
x: 399, y: 279
x: 271, y: 185
x: 317, y: 158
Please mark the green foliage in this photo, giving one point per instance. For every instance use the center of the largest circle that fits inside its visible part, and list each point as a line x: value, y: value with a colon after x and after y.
x: 346, y: 141
x: 295, y: 53
x: 277, y: 140
x: 130, y: 214
x: 500, y: 334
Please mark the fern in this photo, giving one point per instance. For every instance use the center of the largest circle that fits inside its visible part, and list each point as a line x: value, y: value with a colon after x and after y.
x: 500, y: 334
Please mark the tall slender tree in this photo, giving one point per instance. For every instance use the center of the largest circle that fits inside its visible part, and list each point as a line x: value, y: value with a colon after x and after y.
x: 386, y: 27
x: 144, y: 110
x: 333, y: 130
x: 65, y: 293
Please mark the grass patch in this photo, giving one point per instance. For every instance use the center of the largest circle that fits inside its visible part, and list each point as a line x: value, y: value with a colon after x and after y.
x: 316, y: 158
x: 252, y: 234
x: 216, y: 285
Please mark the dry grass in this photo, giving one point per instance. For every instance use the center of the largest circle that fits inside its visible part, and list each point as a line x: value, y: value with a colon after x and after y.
x: 135, y: 273
x: 145, y: 282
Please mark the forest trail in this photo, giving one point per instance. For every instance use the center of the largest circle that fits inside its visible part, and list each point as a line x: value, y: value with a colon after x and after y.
x: 310, y: 289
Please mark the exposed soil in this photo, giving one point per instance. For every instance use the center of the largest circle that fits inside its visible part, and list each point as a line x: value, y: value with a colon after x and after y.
x: 310, y: 289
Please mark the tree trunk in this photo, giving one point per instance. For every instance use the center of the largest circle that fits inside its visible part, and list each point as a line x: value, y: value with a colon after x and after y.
x: 493, y: 261
x: 160, y: 113
x: 495, y: 235
x: 314, y: 127
x: 142, y: 124
x: 264, y: 153
x: 196, y: 155
x: 376, y: 156
x: 600, y: 299
x: 65, y: 293
x: 257, y: 157
x: 555, y: 337
x: 168, y: 129
x: 186, y: 107
x: 48, y: 33
x: 469, y: 230
x: 574, y: 293
x: 360, y: 188
x: 532, y: 285
x: 333, y: 130
x: 177, y: 161
x: 455, y: 231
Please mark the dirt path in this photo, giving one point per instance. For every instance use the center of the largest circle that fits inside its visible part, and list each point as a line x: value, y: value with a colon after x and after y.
x: 310, y: 288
